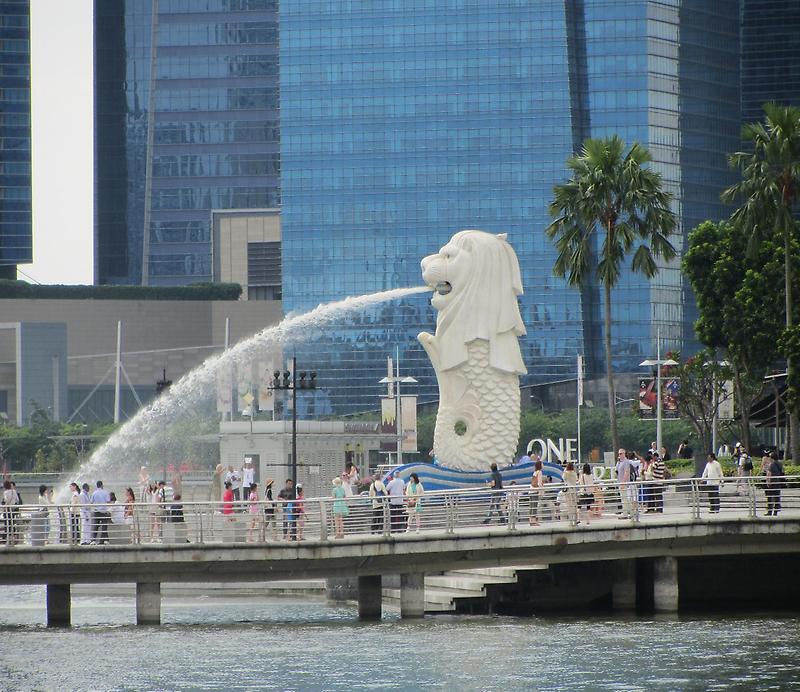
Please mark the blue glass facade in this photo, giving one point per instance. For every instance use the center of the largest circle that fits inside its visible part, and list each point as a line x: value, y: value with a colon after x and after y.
x: 404, y: 121
x: 16, y: 239
x: 186, y: 122
x: 770, y: 55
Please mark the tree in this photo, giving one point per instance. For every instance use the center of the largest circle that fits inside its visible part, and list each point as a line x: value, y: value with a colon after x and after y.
x: 611, y: 195
x: 701, y: 376
x: 735, y: 292
x: 770, y: 189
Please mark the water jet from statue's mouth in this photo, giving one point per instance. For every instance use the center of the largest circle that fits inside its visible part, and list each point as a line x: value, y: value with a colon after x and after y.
x: 443, y: 288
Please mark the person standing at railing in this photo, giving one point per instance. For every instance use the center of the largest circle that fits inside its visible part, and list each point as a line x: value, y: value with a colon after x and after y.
x: 10, y: 501
x: 585, y: 493
x: 414, y: 493
x: 397, y: 491
x: 712, y: 476
x: 745, y: 470
x: 378, y: 493
x: 248, y: 472
x: 340, y: 508
x: 300, y: 512
x: 44, y: 515
x: 571, y: 493
x: 658, y: 472
x: 130, y: 501
x: 496, y: 484
x: 253, y: 509
x: 74, y: 514
x: 776, y: 479
x: 537, y: 493
x: 86, y: 515
x: 101, y: 515
x: 269, y: 510
x: 350, y: 479
x: 626, y: 476
x: 287, y: 496
x: 227, y: 501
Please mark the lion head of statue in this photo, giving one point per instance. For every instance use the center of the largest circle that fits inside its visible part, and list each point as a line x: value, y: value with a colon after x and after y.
x: 478, y: 278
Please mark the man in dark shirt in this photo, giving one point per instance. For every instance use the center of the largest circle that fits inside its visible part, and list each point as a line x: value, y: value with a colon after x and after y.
x: 494, y: 506
x: 775, y: 481
x: 286, y: 498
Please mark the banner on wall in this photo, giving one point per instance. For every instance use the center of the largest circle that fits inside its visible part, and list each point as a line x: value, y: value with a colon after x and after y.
x: 670, y: 398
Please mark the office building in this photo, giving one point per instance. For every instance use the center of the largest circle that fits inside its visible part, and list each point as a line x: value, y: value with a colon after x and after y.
x: 186, y: 120
x: 16, y: 238
x: 403, y: 123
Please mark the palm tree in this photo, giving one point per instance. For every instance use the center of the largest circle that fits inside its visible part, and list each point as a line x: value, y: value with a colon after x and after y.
x: 770, y: 189
x: 613, y: 195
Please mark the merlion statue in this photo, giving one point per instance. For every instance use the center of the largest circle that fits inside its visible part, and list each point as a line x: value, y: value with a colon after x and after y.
x: 475, y: 351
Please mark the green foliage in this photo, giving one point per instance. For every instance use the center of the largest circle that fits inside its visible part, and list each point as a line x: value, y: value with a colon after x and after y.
x: 48, y: 446
x: 634, y: 433
x: 198, y: 291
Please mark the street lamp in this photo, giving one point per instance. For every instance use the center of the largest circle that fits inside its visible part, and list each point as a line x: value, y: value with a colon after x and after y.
x: 397, y: 380
x: 308, y: 380
x: 658, y: 363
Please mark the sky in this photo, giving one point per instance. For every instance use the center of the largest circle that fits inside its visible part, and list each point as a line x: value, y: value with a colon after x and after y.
x: 62, y: 127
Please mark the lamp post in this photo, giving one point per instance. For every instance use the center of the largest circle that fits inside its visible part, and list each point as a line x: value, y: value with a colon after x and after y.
x: 289, y: 383
x: 658, y: 363
x: 396, y: 380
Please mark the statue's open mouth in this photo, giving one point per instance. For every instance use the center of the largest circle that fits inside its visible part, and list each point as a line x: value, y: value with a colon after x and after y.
x: 443, y: 288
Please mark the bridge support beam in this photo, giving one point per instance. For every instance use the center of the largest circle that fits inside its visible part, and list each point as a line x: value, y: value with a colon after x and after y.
x: 623, y: 587
x: 412, y: 595
x: 665, y: 585
x: 59, y: 605
x: 148, y: 603
x: 370, y: 597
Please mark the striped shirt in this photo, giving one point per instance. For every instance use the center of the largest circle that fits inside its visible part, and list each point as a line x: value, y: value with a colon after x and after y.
x: 658, y: 469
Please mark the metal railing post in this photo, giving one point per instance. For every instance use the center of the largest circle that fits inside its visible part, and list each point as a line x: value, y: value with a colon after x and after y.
x: 387, y: 517
x: 512, y: 498
x: 323, y: 521
x: 695, y: 499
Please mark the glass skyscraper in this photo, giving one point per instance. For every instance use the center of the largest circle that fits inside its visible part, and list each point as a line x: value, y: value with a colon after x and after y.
x: 186, y: 120
x: 404, y: 121
x: 770, y: 55
x: 16, y: 239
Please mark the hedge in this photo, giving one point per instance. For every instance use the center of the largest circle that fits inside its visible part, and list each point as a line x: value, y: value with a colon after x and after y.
x: 198, y: 291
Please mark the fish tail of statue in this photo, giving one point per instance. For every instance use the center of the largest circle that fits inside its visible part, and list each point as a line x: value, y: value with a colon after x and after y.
x: 475, y: 351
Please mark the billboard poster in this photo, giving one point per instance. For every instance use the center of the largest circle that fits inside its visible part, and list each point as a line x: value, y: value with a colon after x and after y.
x: 725, y: 410
x: 408, y: 408
x: 647, y: 397
x: 670, y: 398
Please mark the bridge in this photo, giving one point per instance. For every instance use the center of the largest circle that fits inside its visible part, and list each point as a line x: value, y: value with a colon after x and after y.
x: 212, y: 545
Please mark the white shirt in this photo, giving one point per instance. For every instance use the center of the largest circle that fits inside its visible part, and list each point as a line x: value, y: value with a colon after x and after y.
x: 712, y: 473
x: 248, y: 476
x: 397, y: 489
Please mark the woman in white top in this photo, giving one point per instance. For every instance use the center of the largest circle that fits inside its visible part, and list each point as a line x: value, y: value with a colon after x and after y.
x: 712, y: 476
x: 585, y: 492
x: 537, y: 493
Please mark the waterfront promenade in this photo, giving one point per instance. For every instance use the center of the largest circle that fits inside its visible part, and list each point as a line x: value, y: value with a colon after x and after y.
x: 209, y: 545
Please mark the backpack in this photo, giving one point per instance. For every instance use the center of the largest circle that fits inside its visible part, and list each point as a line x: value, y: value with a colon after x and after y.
x: 748, y: 464
x: 634, y: 474
x: 379, y: 493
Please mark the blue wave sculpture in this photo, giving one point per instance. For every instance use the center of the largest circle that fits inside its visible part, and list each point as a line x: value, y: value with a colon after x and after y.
x: 435, y: 477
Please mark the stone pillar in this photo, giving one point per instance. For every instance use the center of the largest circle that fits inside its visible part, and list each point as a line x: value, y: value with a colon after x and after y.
x: 623, y: 586
x: 665, y: 584
x: 148, y: 603
x: 59, y: 605
x: 412, y: 595
x: 369, y: 597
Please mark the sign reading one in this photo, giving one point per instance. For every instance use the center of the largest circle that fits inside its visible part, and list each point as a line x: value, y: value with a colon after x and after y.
x: 562, y: 451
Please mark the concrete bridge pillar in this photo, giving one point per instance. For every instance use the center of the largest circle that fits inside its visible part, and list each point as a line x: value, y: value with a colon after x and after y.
x: 412, y: 595
x: 665, y: 584
x: 623, y: 586
x: 148, y: 603
x: 370, y: 597
x: 59, y: 605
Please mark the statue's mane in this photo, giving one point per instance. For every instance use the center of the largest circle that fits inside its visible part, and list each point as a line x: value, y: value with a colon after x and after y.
x: 486, y: 308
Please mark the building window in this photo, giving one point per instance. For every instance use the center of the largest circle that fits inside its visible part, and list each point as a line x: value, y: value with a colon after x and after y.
x: 264, y: 271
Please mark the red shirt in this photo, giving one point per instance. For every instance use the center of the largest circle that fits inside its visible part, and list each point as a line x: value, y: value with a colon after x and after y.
x: 227, y: 501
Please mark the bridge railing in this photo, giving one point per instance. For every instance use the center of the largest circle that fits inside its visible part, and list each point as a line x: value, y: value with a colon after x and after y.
x: 514, y: 508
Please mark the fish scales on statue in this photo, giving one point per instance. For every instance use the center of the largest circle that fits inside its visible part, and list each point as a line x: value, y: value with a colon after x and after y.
x: 475, y: 351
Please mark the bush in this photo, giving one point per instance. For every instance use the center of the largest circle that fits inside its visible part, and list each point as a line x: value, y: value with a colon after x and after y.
x: 199, y: 291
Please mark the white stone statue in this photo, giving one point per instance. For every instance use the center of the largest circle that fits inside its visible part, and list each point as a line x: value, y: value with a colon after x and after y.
x: 475, y: 351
